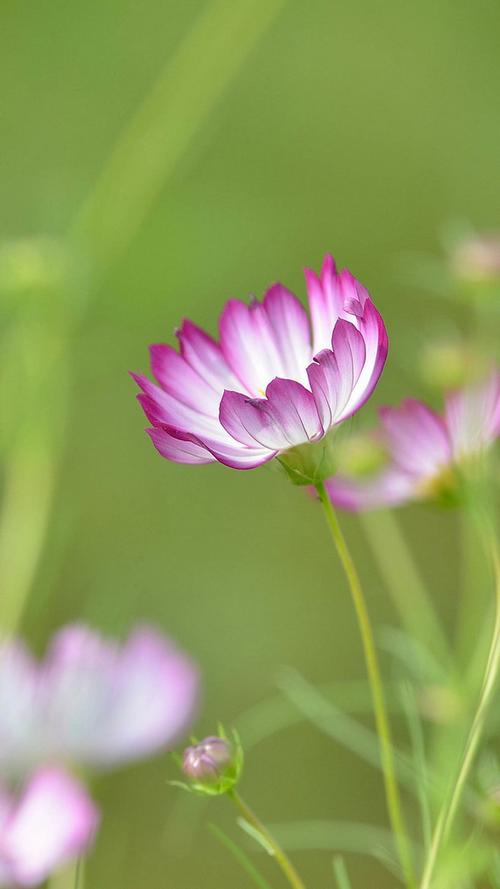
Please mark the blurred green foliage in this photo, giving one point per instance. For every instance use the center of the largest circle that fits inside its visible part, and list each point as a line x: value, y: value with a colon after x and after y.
x: 288, y: 130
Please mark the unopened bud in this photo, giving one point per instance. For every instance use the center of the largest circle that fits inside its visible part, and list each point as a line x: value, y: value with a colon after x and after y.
x: 208, y: 760
x: 213, y: 766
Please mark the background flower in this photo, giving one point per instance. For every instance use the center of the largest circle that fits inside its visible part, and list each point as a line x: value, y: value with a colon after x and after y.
x: 93, y: 701
x: 265, y: 387
x: 425, y: 449
x: 50, y: 822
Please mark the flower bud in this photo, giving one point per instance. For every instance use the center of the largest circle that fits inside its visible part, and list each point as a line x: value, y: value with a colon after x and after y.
x: 213, y: 765
x: 208, y: 760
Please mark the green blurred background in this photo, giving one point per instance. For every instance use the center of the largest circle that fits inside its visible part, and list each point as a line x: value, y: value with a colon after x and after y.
x: 280, y: 131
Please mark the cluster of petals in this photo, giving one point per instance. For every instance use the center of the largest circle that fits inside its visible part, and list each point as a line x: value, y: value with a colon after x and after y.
x: 92, y: 701
x: 274, y: 380
x: 424, y: 448
x: 48, y: 822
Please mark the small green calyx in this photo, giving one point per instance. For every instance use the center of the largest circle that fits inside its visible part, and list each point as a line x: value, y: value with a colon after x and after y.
x: 213, y: 766
x: 309, y: 464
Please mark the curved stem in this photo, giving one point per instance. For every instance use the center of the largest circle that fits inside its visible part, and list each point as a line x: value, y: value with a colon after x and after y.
x: 286, y: 866
x: 379, y: 705
x: 450, y: 806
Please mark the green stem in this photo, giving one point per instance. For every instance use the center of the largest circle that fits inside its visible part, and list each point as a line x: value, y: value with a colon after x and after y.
x: 449, y: 808
x: 282, y: 860
x: 379, y: 705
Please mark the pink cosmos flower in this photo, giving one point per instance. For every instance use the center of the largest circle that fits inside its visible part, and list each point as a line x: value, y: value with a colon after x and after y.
x: 92, y: 701
x: 49, y: 823
x: 273, y: 380
x: 424, y: 448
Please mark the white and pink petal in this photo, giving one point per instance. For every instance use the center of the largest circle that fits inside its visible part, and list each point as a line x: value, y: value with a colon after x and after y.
x: 205, y: 356
x: 52, y: 822
x: 176, y: 376
x: 288, y: 416
x: 391, y: 487
x: 472, y: 416
x: 417, y: 438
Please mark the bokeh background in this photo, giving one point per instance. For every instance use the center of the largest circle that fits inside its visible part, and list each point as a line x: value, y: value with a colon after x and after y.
x: 253, y: 136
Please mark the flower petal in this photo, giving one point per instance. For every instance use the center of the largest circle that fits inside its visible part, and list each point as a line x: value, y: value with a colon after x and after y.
x: 473, y: 416
x: 205, y: 357
x: 325, y: 303
x: 333, y: 376
x: 113, y: 703
x: 248, y: 421
x: 286, y: 417
x: 290, y: 326
x: 389, y: 488
x: 334, y: 296
x: 266, y: 340
x: 180, y: 450
x: 417, y: 438
x: 176, y: 376
x: 237, y: 456
x: 293, y: 408
x: 156, y: 700
x: 161, y: 408
x: 372, y: 329
x: 53, y: 822
x: 22, y: 741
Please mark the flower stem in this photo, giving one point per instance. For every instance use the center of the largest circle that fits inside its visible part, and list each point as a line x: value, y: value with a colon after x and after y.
x: 379, y: 705
x: 286, y: 866
x: 450, y: 806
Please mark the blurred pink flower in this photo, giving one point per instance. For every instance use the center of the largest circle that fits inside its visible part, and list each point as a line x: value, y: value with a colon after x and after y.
x: 424, y: 448
x: 93, y: 701
x: 49, y: 823
x: 266, y: 387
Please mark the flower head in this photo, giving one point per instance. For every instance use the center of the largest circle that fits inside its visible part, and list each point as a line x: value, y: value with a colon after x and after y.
x: 426, y: 451
x: 50, y: 822
x: 93, y: 701
x: 273, y: 381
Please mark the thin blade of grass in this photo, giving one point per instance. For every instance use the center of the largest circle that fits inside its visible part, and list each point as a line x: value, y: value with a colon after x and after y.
x: 404, y: 584
x: 186, y: 92
x: 340, y: 873
x: 415, y: 656
x: 240, y: 856
x: 342, y: 837
x: 345, y: 730
x: 420, y: 762
x: 265, y: 719
x: 338, y: 725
